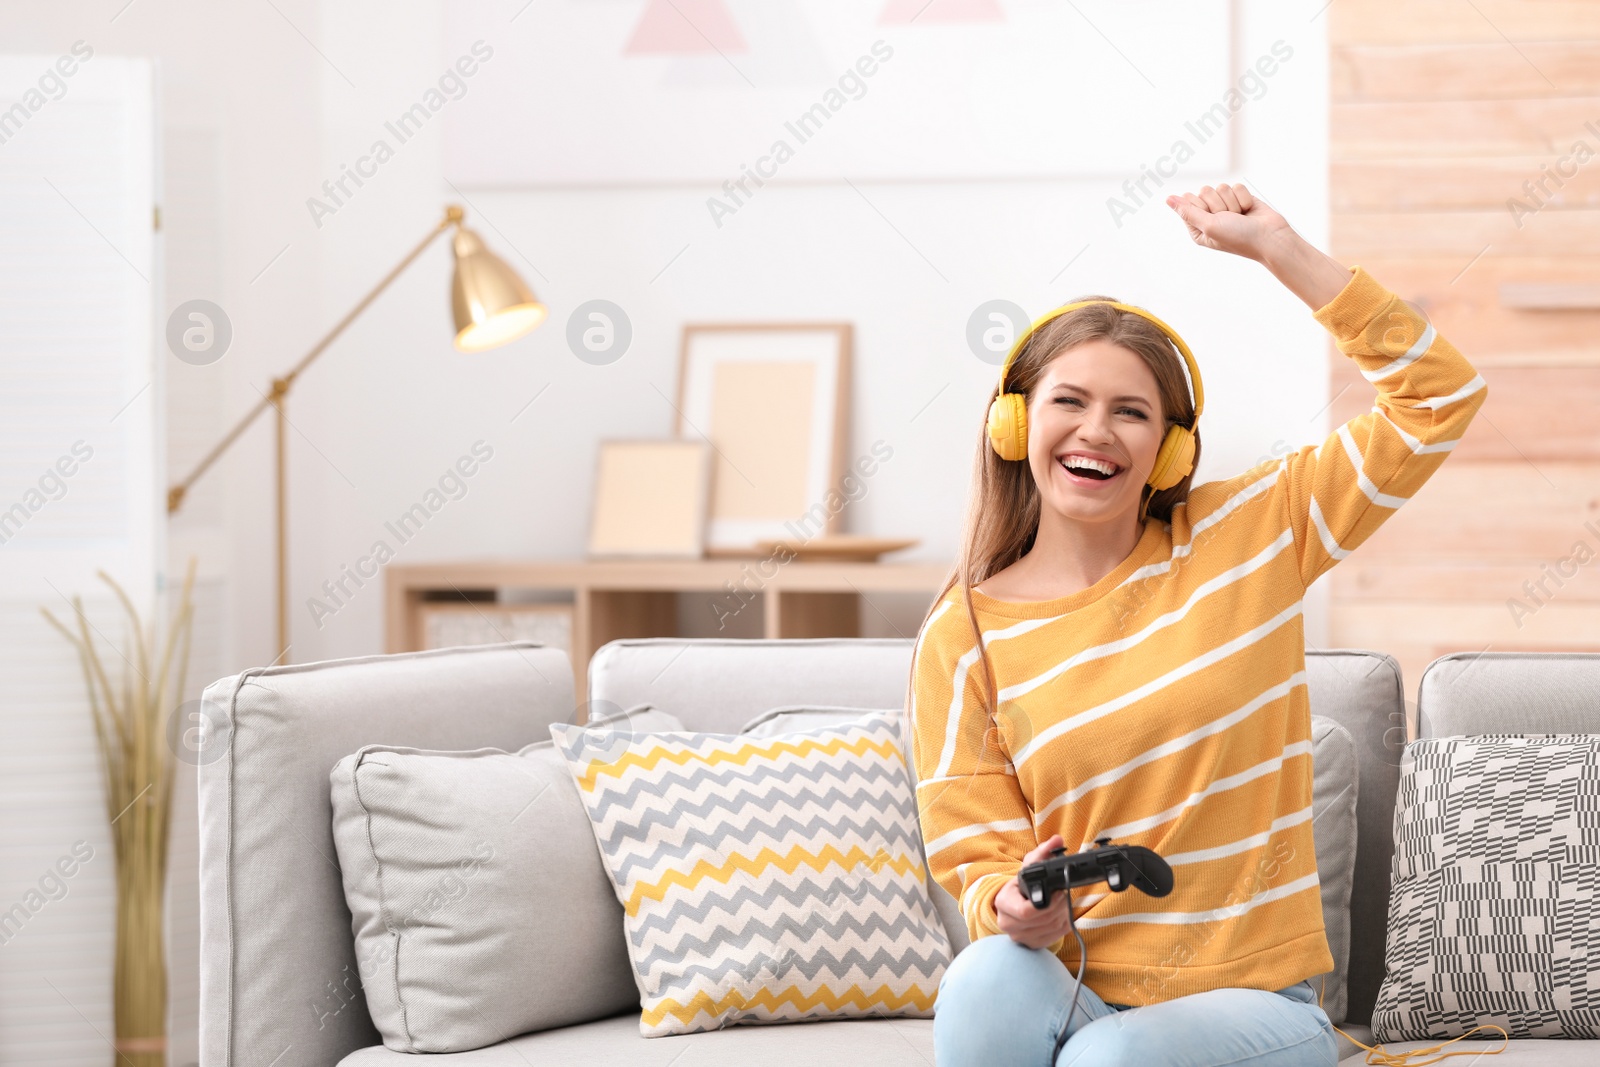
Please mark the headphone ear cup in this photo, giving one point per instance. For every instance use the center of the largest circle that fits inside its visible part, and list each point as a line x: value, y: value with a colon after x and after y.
x: 1174, y: 460
x: 1008, y: 426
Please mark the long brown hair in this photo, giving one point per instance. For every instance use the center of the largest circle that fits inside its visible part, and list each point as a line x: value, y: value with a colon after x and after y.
x: 1003, y: 504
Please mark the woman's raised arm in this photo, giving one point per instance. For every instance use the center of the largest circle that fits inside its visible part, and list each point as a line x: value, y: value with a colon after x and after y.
x: 1229, y: 218
x: 1335, y: 495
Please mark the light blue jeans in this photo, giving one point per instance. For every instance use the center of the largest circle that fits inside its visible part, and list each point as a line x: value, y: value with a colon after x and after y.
x: 1002, y: 1004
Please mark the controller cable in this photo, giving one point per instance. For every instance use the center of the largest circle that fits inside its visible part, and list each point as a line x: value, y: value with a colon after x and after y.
x: 1083, y: 959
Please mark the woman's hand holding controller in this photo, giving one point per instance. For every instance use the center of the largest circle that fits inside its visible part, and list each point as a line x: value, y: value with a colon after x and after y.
x: 1024, y: 923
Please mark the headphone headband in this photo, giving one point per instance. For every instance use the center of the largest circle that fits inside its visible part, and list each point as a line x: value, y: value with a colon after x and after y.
x: 1194, y: 370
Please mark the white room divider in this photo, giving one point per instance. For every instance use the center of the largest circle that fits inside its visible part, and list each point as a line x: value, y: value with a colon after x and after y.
x: 80, y: 394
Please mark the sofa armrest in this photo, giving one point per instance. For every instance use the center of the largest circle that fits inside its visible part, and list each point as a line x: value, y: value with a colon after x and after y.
x: 277, y: 958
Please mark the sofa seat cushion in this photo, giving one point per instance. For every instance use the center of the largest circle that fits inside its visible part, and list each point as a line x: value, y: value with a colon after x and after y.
x: 1521, y: 1052
x: 840, y: 1043
x: 1347, y: 1047
x: 837, y: 1042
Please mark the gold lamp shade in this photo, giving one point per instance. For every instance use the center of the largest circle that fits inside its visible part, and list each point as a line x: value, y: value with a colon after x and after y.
x: 492, y: 306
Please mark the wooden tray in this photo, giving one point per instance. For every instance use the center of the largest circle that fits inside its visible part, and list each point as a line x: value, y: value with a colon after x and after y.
x: 839, y: 548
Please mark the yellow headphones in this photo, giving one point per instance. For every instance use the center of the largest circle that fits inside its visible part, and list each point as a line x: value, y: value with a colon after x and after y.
x: 1008, y: 415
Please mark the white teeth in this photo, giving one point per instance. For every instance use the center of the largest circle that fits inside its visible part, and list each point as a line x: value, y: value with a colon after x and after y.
x: 1092, y: 464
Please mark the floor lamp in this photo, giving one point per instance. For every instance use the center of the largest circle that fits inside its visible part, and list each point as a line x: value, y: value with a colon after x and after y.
x: 491, y: 306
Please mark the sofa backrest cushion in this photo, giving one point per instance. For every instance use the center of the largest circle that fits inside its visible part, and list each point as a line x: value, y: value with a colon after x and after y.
x: 1467, y: 693
x: 1335, y: 791
x: 1362, y: 691
x: 278, y: 968
x: 718, y: 685
x: 722, y: 685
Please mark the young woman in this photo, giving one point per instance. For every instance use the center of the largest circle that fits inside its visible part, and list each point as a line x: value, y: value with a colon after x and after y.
x: 1110, y: 659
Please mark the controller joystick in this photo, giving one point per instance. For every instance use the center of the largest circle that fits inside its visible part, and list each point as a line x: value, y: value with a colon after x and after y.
x: 1119, y: 866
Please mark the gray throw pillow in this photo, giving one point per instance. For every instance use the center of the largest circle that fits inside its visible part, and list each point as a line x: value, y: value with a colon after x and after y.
x: 1493, y: 916
x: 479, y: 903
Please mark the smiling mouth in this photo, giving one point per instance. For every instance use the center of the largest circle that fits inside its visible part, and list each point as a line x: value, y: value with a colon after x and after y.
x: 1088, y: 474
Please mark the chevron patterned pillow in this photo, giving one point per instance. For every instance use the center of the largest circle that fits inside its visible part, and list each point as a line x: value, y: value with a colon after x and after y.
x: 763, y: 880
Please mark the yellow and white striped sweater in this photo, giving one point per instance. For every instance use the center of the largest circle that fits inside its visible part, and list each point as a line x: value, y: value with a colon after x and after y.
x: 1166, y: 705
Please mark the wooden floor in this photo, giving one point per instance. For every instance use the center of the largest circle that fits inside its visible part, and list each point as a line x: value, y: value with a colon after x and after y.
x: 1441, y: 111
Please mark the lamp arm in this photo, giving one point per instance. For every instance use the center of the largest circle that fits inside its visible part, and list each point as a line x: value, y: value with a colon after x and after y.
x: 280, y: 386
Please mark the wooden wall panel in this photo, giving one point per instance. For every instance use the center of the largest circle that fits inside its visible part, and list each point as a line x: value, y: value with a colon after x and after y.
x: 1457, y: 72
x: 1357, y: 22
x: 1572, y: 578
x: 1551, y: 181
x: 1538, y: 414
x: 1472, y: 513
x: 1463, y: 300
x: 1417, y: 634
x: 1442, y: 117
x: 1464, y: 235
x: 1457, y: 129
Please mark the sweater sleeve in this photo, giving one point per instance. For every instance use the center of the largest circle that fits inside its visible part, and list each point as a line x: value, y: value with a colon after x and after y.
x: 976, y: 824
x: 1341, y: 491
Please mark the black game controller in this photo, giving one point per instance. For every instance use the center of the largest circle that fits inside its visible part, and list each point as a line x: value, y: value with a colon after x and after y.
x: 1119, y: 866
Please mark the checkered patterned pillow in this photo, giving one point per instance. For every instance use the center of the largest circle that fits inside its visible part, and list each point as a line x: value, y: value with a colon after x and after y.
x: 764, y: 879
x: 1495, y: 916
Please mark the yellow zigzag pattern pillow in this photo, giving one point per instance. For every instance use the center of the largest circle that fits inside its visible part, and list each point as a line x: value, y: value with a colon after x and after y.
x: 764, y: 879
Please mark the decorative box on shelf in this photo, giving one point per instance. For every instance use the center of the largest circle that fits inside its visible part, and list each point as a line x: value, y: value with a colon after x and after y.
x: 446, y: 624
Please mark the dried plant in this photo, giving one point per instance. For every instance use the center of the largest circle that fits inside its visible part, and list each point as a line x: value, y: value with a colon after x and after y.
x: 130, y: 726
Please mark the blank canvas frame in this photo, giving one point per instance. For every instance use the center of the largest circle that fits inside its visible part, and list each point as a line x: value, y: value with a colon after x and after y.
x: 773, y: 401
x: 650, y: 499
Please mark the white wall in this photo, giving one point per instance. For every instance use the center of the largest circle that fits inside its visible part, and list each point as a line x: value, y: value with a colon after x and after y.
x: 395, y: 405
x: 391, y: 404
x: 263, y: 102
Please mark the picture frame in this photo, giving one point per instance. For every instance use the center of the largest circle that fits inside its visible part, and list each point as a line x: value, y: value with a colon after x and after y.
x: 772, y: 400
x: 650, y: 499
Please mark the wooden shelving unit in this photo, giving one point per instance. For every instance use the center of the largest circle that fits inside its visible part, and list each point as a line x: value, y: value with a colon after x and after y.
x: 627, y: 598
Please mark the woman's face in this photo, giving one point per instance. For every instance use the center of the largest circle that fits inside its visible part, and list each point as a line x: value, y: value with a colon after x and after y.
x: 1099, y: 400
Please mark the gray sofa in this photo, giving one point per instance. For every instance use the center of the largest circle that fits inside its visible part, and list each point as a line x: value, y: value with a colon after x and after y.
x: 279, y: 983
